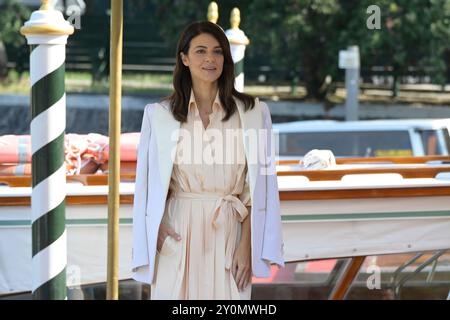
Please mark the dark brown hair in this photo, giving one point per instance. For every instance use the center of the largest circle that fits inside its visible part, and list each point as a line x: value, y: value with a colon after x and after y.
x: 182, y: 81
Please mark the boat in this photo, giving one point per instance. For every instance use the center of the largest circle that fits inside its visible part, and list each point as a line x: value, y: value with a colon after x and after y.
x: 334, y: 220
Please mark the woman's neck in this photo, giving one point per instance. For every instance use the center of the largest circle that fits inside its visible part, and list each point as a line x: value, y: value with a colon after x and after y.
x: 205, y: 95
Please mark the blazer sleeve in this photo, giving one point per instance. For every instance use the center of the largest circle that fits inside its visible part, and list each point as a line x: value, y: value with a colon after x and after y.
x: 244, y: 196
x: 273, y: 240
x: 140, y: 253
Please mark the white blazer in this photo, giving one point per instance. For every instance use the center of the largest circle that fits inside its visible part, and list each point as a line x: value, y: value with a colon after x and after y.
x: 158, y: 139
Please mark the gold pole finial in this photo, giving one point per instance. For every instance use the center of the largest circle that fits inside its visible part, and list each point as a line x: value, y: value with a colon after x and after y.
x: 47, y: 21
x: 45, y: 5
x: 213, y: 12
x: 235, y: 18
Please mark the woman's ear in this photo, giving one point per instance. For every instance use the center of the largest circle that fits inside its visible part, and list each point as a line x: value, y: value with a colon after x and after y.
x: 184, y: 59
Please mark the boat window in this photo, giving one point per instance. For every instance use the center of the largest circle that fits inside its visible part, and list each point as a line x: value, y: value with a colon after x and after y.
x: 347, y: 143
x: 430, y: 142
x: 408, y: 276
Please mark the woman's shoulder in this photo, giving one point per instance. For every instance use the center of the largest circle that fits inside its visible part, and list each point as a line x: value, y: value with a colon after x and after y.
x: 151, y: 107
x: 257, y: 103
x: 262, y: 104
x: 259, y: 106
x: 265, y: 111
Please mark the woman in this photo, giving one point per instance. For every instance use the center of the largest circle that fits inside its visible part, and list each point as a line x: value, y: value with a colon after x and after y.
x: 206, y: 207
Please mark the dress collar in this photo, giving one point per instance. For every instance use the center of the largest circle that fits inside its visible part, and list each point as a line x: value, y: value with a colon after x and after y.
x: 217, y: 106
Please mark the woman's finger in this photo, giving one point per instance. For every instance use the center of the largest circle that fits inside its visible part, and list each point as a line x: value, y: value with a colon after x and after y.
x: 239, y: 277
x: 159, y: 243
x: 173, y: 234
x: 162, y: 235
x: 233, y: 268
x: 247, y: 277
x: 243, y: 279
x: 247, y: 280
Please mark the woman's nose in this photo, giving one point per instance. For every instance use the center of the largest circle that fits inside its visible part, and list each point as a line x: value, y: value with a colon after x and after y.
x: 209, y: 57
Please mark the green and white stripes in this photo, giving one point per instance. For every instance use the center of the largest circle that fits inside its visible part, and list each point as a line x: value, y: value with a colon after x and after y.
x: 47, y: 32
x: 238, y: 59
x: 48, y: 103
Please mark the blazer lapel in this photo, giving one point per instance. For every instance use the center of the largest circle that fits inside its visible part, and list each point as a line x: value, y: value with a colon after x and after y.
x: 251, y: 122
x: 166, y: 132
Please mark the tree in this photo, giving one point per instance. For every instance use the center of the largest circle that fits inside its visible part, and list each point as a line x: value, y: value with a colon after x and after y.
x: 297, y: 35
x: 306, y: 35
x: 12, y: 17
x: 414, y: 37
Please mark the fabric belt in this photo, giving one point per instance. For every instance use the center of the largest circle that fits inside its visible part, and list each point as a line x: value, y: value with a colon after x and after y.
x: 225, y: 205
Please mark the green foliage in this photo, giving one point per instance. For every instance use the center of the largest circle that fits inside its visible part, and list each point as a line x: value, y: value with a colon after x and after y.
x: 415, y: 34
x: 13, y: 14
x: 299, y: 38
x: 303, y: 37
x: 307, y: 35
x: 12, y: 44
x: 297, y: 35
x: 176, y: 14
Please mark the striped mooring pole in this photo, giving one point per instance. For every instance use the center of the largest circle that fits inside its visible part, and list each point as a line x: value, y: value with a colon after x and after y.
x: 238, y: 42
x: 47, y: 34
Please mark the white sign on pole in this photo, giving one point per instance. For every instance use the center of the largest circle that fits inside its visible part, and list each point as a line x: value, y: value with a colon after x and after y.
x: 348, y: 59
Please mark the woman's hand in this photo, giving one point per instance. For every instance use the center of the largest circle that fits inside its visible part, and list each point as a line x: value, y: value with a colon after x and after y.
x: 165, y: 231
x: 241, y: 267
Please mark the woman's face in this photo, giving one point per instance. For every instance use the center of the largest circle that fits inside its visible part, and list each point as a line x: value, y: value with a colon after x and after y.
x: 204, y: 58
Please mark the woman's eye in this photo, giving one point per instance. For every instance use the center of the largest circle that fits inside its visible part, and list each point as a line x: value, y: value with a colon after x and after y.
x: 218, y: 52
x: 200, y: 51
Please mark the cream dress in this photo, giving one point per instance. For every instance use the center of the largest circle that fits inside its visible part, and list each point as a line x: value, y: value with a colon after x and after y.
x: 207, y: 200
